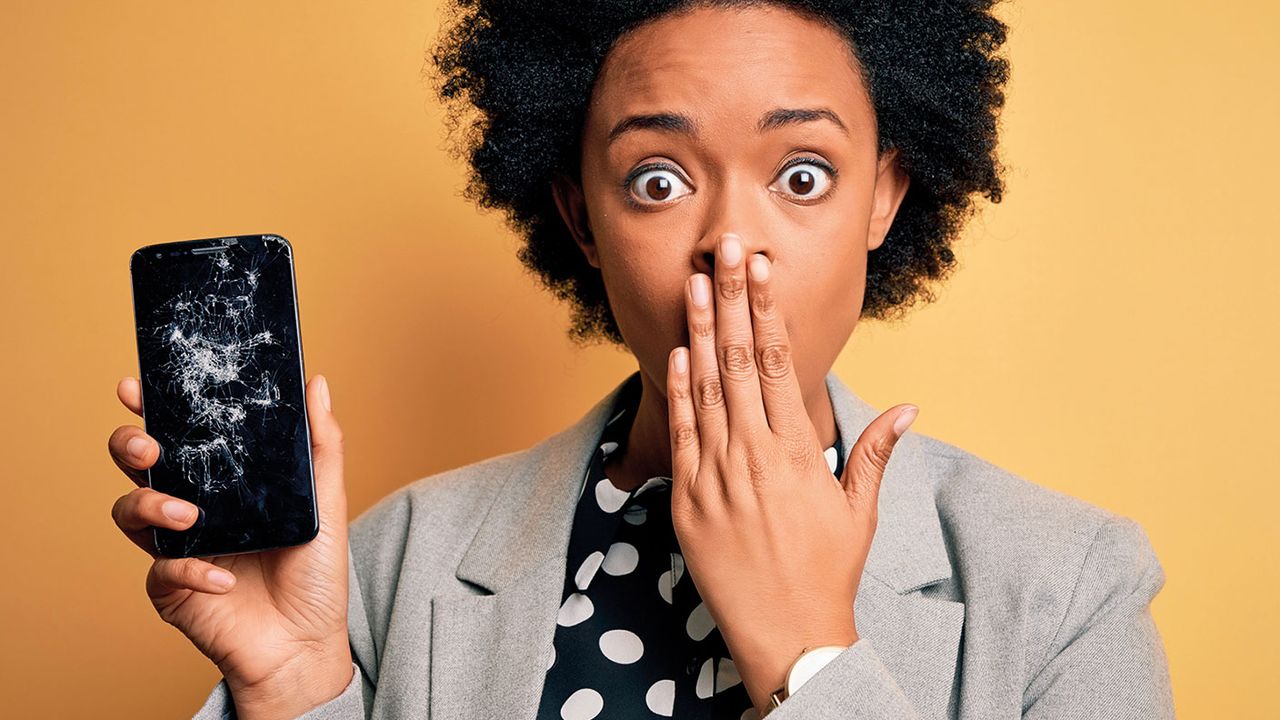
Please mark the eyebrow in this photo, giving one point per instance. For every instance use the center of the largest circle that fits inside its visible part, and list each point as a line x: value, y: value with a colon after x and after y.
x: 679, y: 123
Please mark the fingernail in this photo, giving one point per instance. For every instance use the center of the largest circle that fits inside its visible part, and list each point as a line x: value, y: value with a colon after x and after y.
x: 176, y: 510
x: 221, y: 578
x: 731, y: 250
x: 681, y: 361
x: 701, y: 290
x: 905, y: 418
x: 324, y: 394
x: 137, y: 446
x: 759, y: 267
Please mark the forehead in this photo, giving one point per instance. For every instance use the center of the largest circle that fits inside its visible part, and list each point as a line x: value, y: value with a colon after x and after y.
x: 728, y: 65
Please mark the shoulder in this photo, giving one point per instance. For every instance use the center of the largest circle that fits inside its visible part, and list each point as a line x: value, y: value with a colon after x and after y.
x: 1016, y: 520
x: 1020, y: 548
x: 450, y: 498
x: 440, y: 511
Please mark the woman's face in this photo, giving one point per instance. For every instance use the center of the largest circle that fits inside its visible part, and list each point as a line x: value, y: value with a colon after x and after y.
x: 749, y: 120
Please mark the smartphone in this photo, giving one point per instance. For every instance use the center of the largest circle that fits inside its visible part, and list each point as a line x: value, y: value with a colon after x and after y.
x: 223, y: 392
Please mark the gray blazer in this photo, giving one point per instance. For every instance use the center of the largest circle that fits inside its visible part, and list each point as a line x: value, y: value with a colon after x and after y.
x: 984, y: 595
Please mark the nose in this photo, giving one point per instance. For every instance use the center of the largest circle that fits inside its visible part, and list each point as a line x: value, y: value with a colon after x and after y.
x: 734, y: 209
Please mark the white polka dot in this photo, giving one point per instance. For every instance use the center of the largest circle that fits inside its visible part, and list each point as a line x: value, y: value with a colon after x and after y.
x: 588, y: 570
x: 831, y: 458
x: 621, y: 646
x: 609, y: 497
x: 651, y: 483
x: 622, y: 559
x: 726, y: 675
x: 553, y: 657
x: 635, y: 514
x: 661, y: 697
x: 664, y: 586
x: 577, y: 607
x: 582, y: 705
x: 705, y: 680
x: 608, y: 447
x: 700, y: 623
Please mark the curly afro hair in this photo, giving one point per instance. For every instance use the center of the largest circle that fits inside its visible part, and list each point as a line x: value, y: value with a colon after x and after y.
x: 516, y: 76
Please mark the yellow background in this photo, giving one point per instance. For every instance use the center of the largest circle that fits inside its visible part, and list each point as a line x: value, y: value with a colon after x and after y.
x: 1111, y: 332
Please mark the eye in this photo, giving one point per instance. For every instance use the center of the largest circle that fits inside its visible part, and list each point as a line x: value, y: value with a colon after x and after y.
x: 654, y: 184
x: 807, y: 178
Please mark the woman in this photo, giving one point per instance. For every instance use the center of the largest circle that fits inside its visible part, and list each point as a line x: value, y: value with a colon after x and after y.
x: 731, y: 525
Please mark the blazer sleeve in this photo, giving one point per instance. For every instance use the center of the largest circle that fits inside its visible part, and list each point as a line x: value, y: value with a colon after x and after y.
x: 1107, y: 659
x: 355, y: 702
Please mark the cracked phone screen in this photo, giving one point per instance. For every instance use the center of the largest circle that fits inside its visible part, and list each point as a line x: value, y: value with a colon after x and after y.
x: 223, y: 392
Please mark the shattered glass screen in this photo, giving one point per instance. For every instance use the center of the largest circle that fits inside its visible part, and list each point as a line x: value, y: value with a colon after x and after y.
x: 223, y: 393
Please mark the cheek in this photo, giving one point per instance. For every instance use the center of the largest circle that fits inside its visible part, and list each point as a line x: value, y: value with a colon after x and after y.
x: 645, y: 289
x: 636, y: 266
x: 822, y: 296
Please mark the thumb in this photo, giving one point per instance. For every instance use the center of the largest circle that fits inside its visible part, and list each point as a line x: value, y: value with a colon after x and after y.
x: 870, y: 455
x: 326, y: 456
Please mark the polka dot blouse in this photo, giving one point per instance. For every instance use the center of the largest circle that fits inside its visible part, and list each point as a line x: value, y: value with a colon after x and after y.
x: 633, y: 638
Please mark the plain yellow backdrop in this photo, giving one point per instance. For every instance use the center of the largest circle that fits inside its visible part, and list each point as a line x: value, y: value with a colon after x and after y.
x: 1111, y: 332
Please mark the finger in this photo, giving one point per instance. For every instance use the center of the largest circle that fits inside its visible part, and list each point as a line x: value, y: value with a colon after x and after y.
x: 141, y: 509
x: 327, y: 453
x: 133, y: 451
x: 170, y: 575
x: 704, y: 369
x: 735, y: 348
x: 780, y: 387
x: 129, y: 390
x: 870, y: 456
x: 683, y: 423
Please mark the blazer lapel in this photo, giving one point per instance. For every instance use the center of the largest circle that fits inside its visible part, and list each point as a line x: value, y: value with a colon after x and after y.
x: 490, y: 652
x: 917, y: 637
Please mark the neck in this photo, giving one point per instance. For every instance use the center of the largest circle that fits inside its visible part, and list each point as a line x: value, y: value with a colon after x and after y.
x: 648, y: 452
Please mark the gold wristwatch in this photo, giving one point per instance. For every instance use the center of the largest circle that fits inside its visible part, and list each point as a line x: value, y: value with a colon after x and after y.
x: 811, y: 660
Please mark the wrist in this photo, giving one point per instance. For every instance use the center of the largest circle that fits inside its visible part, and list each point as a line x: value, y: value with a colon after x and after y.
x: 306, y: 682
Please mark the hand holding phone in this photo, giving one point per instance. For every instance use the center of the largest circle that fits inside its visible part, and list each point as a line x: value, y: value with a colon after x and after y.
x: 282, y: 623
x: 251, y: 459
